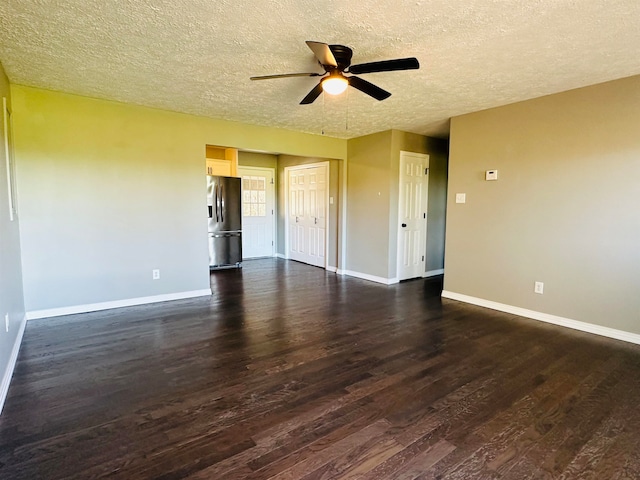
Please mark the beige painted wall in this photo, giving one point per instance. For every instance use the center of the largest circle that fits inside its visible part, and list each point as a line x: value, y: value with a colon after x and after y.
x: 110, y: 191
x: 372, y: 200
x: 11, y: 295
x: 565, y: 210
x: 368, y: 204
x: 437, y: 150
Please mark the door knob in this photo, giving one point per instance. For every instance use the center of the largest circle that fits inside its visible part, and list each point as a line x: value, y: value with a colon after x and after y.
x: 404, y: 225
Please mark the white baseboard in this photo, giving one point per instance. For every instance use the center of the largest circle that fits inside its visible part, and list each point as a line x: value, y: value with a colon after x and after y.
x: 371, y: 278
x: 13, y: 358
x: 385, y: 281
x: 129, y: 302
x: 545, y: 317
x: 433, y: 273
x: 280, y: 255
x: 331, y: 269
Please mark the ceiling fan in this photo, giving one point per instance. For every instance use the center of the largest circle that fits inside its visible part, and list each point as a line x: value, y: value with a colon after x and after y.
x: 336, y: 61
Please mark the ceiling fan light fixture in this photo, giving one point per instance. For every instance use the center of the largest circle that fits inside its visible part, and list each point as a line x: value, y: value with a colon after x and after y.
x: 335, y: 84
x: 336, y: 60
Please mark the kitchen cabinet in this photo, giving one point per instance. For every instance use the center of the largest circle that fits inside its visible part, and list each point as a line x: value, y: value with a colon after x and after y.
x: 222, y: 161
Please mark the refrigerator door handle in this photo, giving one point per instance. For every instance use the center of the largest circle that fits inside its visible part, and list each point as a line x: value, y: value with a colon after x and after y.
x: 222, y: 203
x: 215, y: 190
x: 226, y: 234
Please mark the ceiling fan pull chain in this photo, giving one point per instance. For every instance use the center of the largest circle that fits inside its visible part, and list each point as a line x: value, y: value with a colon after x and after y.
x: 346, y: 120
x: 323, y: 115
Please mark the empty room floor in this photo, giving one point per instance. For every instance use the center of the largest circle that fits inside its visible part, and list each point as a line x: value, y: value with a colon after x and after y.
x: 290, y: 372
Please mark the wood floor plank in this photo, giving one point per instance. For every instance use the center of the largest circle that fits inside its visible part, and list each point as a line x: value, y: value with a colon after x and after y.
x: 290, y: 372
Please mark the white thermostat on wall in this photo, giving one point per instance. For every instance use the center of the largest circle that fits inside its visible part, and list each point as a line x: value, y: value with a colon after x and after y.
x: 491, y: 175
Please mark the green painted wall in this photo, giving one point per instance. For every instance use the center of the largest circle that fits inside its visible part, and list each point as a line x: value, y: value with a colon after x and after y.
x: 564, y: 211
x: 254, y: 159
x: 11, y: 295
x: 110, y: 191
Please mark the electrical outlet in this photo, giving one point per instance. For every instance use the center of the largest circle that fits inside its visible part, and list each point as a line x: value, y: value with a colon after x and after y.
x: 538, y: 288
x: 6, y: 322
x: 156, y: 274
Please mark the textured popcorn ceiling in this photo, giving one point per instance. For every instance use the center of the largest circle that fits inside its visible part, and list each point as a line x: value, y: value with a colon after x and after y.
x: 196, y: 56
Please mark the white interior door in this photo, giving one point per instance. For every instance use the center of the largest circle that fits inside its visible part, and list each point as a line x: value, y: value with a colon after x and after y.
x: 412, y: 215
x: 317, y: 230
x: 296, y: 215
x: 307, y: 213
x: 258, y: 212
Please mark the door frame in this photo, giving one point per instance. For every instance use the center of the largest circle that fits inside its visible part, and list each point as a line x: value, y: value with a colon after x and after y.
x: 272, y: 172
x: 327, y: 166
x: 426, y: 219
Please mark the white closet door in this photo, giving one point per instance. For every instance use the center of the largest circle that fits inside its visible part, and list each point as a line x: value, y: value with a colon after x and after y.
x: 307, y: 216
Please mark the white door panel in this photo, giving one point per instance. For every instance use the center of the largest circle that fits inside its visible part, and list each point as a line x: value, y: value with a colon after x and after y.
x: 258, y: 211
x: 412, y: 215
x: 307, y: 210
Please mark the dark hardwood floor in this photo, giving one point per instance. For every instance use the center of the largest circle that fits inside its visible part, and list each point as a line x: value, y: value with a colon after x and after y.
x: 289, y: 372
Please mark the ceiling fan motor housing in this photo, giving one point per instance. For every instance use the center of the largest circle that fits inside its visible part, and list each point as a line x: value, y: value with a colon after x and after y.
x: 342, y: 55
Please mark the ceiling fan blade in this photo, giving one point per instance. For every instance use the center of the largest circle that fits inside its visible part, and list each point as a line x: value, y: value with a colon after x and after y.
x: 323, y: 53
x: 286, y: 75
x: 312, y: 95
x: 368, y: 88
x: 385, y: 66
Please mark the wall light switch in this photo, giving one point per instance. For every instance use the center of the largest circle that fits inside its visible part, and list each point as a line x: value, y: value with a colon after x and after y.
x: 491, y: 175
x: 330, y: 200
x: 461, y: 197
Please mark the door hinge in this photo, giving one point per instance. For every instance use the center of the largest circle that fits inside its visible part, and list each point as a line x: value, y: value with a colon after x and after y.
x: 423, y: 258
x: 424, y: 215
x: 426, y: 171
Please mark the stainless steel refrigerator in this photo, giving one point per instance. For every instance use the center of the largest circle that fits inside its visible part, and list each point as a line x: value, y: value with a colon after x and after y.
x: 225, y: 222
